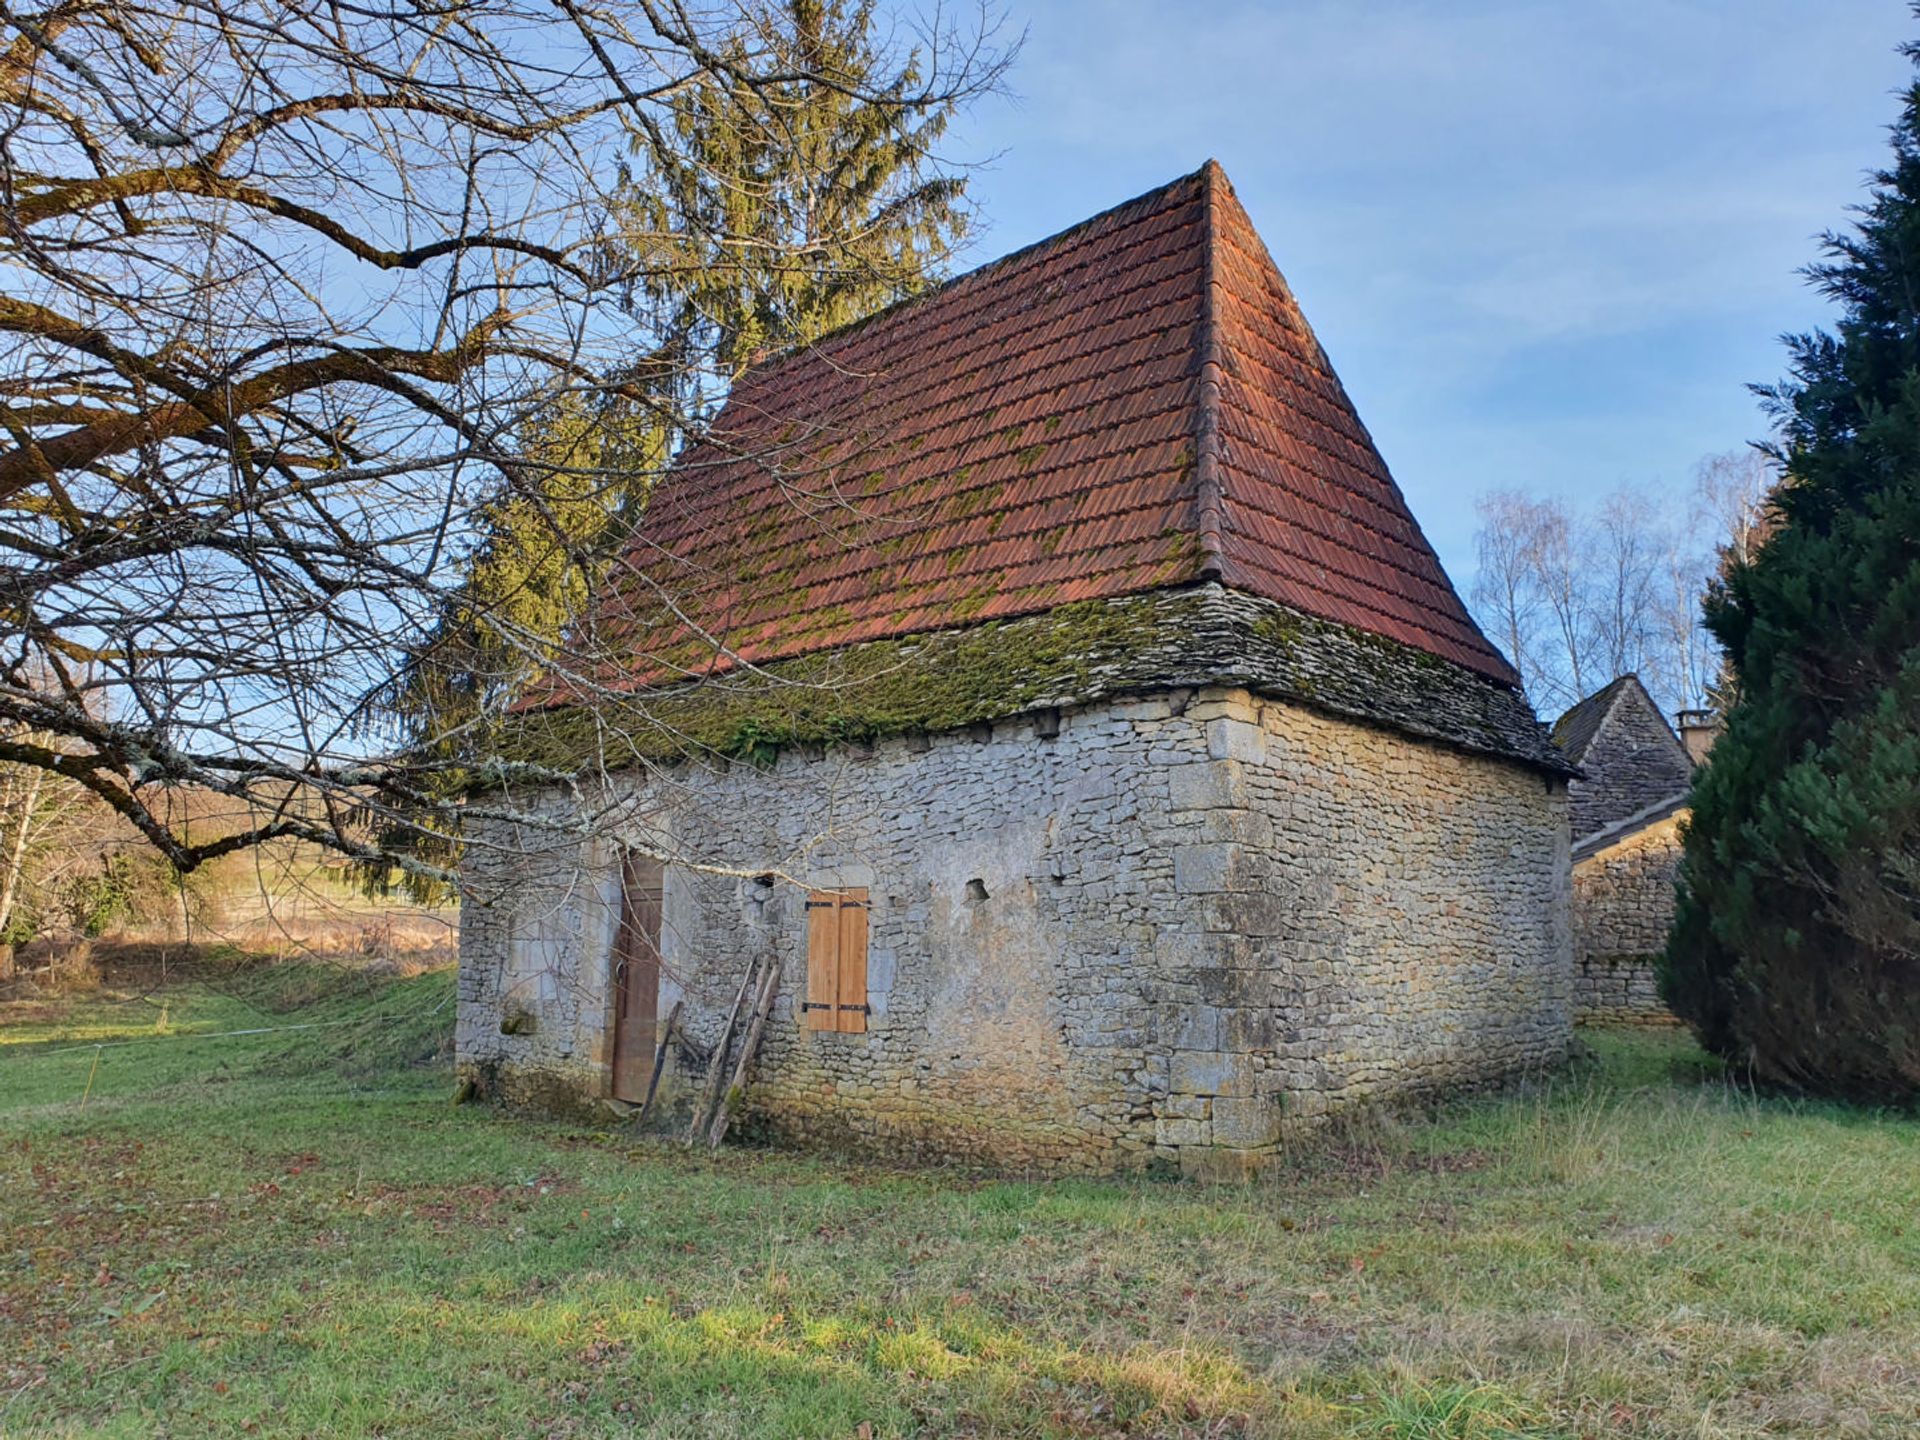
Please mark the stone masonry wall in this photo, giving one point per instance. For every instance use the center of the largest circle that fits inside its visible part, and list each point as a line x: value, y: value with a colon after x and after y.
x: 1208, y: 918
x: 1622, y: 908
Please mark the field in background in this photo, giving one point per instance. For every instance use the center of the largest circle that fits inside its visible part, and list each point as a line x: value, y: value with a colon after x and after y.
x: 322, y: 914
x: 285, y: 902
x: 291, y: 1231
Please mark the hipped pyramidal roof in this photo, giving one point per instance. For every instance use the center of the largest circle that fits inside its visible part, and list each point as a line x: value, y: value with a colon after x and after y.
x: 1134, y: 404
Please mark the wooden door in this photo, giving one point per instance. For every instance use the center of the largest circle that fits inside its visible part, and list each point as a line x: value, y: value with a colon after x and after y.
x: 636, y: 977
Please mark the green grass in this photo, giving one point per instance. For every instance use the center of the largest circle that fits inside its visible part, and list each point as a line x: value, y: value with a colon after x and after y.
x: 294, y: 1233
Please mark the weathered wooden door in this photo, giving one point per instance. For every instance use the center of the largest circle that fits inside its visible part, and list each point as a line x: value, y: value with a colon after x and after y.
x: 636, y: 976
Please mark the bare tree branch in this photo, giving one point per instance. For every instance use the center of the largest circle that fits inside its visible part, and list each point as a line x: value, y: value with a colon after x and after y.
x: 292, y: 300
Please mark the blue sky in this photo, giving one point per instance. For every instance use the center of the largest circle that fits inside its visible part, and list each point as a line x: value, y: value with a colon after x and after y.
x: 1547, y: 243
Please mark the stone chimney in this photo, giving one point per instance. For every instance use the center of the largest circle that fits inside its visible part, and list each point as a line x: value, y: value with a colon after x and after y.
x: 1698, y: 730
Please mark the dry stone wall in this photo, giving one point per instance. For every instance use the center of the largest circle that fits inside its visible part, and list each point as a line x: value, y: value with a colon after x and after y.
x: 1622, y: 907
x: 1207, y: 919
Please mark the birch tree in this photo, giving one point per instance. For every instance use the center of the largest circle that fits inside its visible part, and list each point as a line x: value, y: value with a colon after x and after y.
x: 1577, y: 597
x: 1505, y: 592
x: 1624, y: 547
x: 48, y: 826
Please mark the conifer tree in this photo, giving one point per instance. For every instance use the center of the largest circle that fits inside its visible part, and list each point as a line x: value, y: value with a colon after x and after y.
x: 798, y: 193
x: 785, y: 210
x: 1796, y: 948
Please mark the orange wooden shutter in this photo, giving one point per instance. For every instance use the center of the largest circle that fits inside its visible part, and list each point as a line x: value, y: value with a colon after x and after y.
x: 837, y: 960
x: 823, y: 960
x: 852, y: 1003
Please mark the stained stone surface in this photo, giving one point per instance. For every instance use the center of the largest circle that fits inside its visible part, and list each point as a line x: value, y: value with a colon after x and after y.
x: 1623, y: 900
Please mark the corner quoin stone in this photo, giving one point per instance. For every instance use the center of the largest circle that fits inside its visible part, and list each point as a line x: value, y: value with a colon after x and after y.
x: 1246, y: 1123
x: 1214, y: 785
x: 1231, y: 737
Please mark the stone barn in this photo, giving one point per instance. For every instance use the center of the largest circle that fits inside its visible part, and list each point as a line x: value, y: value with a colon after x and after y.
x: 1627, y: 808
x: 1048, y: 678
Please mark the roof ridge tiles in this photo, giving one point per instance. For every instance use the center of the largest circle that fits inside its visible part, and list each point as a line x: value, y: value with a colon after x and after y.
x: 1209, y: 497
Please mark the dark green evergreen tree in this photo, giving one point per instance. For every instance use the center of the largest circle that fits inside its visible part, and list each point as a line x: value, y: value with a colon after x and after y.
x: 1796, y: 948
x: 784, y: 208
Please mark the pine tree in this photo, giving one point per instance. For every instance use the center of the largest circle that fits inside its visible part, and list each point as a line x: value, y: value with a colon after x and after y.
x: 1796, y: 948
x: 786, y: 210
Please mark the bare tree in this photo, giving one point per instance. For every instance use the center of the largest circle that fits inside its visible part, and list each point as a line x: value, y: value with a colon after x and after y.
x: 1732, y: 494
x: 51, y: 827
x: 1534, y: 593
x: 42, y: 818
x: 1506, y: 593
x: 287, y: 286
x: 1687, y: 658
x: 1624, y: 545
x: 1576, y: 598
x: 1557, y: 556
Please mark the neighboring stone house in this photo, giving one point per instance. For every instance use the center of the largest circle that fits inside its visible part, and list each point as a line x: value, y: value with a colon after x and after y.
x: 1627, y: 808
x: 1084, y: 725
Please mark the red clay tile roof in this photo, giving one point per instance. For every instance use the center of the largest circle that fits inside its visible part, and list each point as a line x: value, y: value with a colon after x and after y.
x: 1133, y: 404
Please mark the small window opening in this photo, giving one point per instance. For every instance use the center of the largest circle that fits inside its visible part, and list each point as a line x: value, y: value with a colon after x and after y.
x: 976, y: 890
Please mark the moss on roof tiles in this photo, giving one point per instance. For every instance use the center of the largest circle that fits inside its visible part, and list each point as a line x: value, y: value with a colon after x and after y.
x: 1071, y: 654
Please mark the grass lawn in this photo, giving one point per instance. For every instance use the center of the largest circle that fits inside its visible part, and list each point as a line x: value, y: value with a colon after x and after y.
x: 294, y: 1233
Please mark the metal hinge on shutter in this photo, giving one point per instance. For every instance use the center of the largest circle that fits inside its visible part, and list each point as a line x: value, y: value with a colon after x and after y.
x: 823, y: 1005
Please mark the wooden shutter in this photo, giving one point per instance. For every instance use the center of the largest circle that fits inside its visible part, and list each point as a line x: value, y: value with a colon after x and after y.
x: 852, y: 1002
x: 823, y: 961
x: 837, y: 960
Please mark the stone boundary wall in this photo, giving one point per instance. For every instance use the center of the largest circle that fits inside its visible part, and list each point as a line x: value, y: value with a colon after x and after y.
x: 1623, y: 905
x: 1209, y: 919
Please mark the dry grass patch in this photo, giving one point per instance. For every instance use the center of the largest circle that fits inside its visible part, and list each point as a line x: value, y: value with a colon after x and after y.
x: 292, y: 1232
